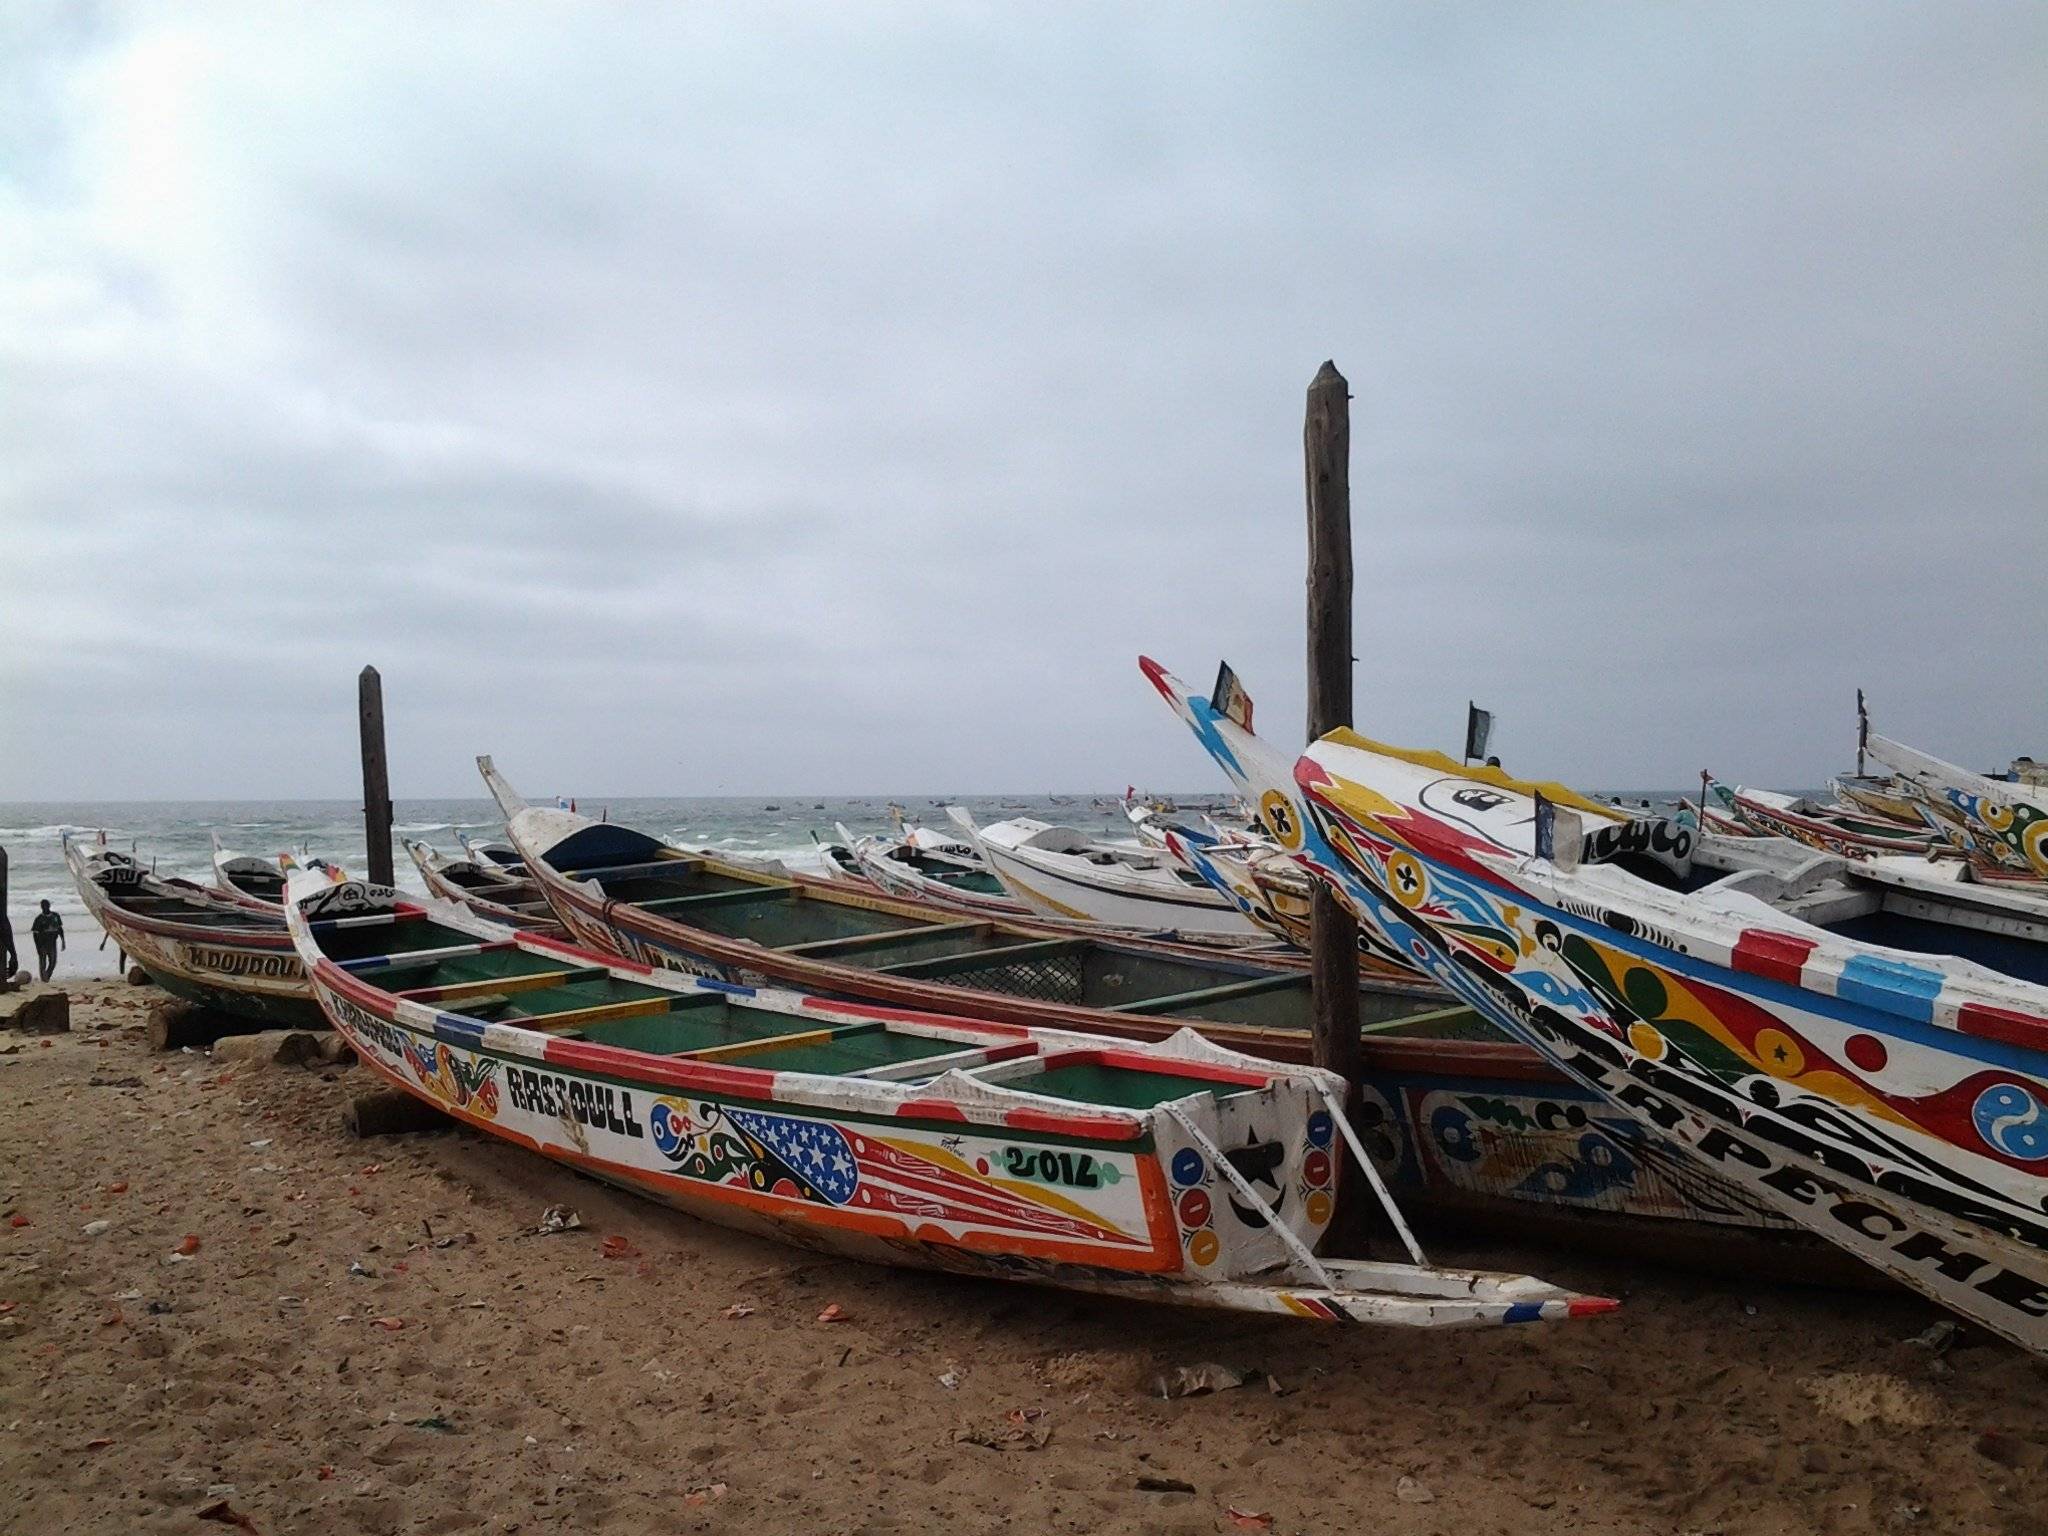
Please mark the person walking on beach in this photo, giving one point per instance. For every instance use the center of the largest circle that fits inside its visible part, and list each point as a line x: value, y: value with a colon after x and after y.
x: 48, y: 932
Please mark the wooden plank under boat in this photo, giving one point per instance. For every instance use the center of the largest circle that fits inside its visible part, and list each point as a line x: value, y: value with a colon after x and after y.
x: 1875, y: 1073
x: 194, y: 942
x: 1461, y: 1118
x: 1173, y: 1171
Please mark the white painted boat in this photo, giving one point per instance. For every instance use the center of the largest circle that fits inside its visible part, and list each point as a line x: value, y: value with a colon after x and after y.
x: 926, y: 865
x: 1062, y: 872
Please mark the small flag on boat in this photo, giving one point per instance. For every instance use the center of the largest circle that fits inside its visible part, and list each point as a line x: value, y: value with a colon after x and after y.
x: 1229, y: 699
x: 1560, y: 834
x: 1478, y: 730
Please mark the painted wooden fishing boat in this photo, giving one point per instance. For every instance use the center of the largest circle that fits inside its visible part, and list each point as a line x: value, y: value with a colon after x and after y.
x: 1270, y: 889
x: 2007, y: 819
x: 630, y: 893
x: 1879, y: 798
x: 1063, y: 873
x: 490, y: 853
x: 1175, y: 1172
x: 1716, y: 821
x: 246, y: 879
x: 193, y: 941
x: 1776, y: 815
x: 490, y: 891
x: 837, y: 863
x: 924, y: 865
x: 1470, y: 1125
x: 1848, y: 1066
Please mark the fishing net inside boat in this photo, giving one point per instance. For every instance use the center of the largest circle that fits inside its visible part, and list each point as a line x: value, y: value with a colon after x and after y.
x: 1056, y: 978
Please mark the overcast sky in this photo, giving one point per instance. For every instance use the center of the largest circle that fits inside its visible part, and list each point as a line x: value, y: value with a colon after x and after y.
x: 734, y: 399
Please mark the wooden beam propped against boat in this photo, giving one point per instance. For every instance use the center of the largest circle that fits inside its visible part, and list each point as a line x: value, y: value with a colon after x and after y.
x: 1333, y: 933
x: 376, y: 776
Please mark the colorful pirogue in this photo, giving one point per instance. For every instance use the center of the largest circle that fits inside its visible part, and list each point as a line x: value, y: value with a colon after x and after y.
x: 1175, y: 1171
x: 1062, y: 872
x: 195, y: 943
x: 1468, y: 1123
x: 489, y: 890
x: 621, y: 890
x: 2006, y: 823
x: 926, y: 865
x: 1888, y: 1095
x: 1835, y: 831
x: 246, y: 879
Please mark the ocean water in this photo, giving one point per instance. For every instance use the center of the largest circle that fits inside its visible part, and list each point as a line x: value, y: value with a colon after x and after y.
x: 176, y: 838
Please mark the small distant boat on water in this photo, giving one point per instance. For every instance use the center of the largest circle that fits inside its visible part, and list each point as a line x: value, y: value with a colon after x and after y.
x: 1159, y: 1171
x: 194, y: 942
x: 1873, y: 1065
x: 1060, y: 872
x: 245, y: 878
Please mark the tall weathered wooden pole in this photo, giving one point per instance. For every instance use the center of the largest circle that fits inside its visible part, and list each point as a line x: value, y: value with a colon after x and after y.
x: 7, y: 956
x: 376, y: 777
x: 1333, y: 935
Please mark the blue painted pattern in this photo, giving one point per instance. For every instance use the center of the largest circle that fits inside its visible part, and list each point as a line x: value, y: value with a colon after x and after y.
x: 1893, y: 985
x: 2012, y: 1120
x: 817, y: 1153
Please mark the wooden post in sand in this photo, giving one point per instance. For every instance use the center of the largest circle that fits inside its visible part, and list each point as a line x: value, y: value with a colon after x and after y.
x: 376, y: 777
x: 9, y: 960
x: 1333, y: 935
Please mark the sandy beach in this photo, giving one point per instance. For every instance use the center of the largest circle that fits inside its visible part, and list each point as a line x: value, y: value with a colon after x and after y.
x: 309, y: 1333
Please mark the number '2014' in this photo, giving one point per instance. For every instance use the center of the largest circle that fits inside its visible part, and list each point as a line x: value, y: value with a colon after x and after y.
x: 1075, y: 1168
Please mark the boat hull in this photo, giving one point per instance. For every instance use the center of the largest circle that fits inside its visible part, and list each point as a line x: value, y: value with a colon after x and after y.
x: 1081, y: 1201
x: 1801, y: 1102
x: 1056, y: 892
x: 252, y: 973
x: 1550, y: 1150
x: 1811, y: 1088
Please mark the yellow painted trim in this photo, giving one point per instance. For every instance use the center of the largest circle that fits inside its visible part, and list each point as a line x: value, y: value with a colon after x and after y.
x: 752, y: 1047
x: 1499, y: 778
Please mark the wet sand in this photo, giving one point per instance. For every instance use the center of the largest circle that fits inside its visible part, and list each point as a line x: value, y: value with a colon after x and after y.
x: 477, y: 1376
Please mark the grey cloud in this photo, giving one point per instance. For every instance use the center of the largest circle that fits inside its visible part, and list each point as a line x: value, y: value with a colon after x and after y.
x: 836, y: 400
